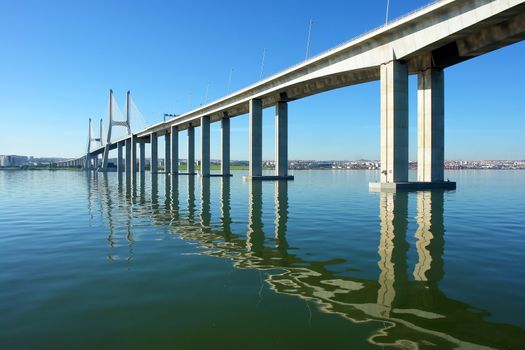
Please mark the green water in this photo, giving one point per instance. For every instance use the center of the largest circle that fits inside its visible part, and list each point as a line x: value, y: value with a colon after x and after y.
x: 93, y: 261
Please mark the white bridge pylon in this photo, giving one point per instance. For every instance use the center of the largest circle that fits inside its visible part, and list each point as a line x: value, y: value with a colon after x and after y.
x: 87, y: 160
x: 112, y: 123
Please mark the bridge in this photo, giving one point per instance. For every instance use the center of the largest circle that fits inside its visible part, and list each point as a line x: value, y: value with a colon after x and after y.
x: 425, y: 42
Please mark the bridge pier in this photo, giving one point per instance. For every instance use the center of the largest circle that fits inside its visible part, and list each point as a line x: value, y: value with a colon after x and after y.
x: 128, y: 156
x: 133, y: 143
x: 281, y: 142
x: 167, y: 155
x: 205, y: 146
x: 255, y: 147
x: 225, y: 146
x: 191, y: 150
x: 394, y: 130
x: 394, y: 122
x: 430, y: 124
x: 142, y: 157
x: 120, y: 161
x: 174, y: 159
x: 154, y: 161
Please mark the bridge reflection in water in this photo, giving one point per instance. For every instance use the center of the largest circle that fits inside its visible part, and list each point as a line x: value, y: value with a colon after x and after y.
x: 411, y: 309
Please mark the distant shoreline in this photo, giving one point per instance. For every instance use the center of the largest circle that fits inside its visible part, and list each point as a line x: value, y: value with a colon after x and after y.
x: 241, y: 168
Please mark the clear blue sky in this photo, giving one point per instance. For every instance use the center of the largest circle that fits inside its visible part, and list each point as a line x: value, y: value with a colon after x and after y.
x: 58, y: 60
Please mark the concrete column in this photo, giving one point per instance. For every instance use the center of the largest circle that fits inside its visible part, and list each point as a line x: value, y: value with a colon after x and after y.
x: 394, y: 122
x: 167, y: 153
x: 225, y: 145
x: 128, y: 156
x: 142, y: 157
x: 154, y: 162
x: 120, y: 161
x: 255, y: 147
x: 205, y: 146
x: 191, y: 150
x: 174, y: 150
x: 430, y: 126
x: 133, y: 153
x: 281, y: 138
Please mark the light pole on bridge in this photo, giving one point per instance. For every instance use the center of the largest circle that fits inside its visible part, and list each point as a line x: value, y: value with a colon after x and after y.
x: 170, y: 115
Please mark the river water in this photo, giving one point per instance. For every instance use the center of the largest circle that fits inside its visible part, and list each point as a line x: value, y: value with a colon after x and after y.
x: 96, y: 261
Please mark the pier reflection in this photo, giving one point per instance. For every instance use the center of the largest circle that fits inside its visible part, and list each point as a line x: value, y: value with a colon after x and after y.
x: 205, y: 217
x: 226, y: 219
x: 255, y: 235
x: 393, y: 248
x: 430, y: 246
x: 191, y: 199
x: 406, y: 303
x: 281, y: 216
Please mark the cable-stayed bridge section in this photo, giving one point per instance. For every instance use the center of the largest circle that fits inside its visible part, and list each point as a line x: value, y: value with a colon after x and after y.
x: 425, y: 42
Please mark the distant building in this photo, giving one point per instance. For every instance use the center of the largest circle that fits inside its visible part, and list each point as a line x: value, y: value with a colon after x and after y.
x: 13, y: 160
